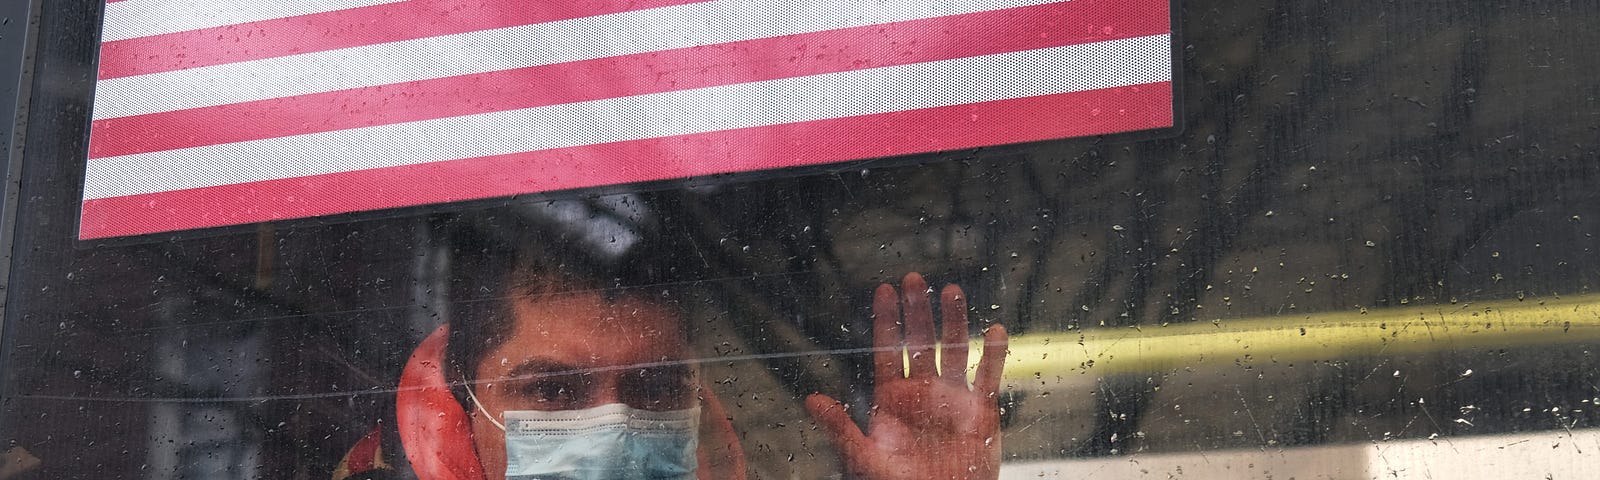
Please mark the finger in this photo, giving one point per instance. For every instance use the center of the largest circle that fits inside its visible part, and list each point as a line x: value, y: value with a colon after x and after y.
x: 886, y: 334
x: 831, y: 414
x: 919, y: 325
x: 953, y: 341
x: 720, y: 454
x: 993, y: 361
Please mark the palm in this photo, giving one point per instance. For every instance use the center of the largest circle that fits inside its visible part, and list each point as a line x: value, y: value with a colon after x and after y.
x: 916, y: 418
x: 926, y: 423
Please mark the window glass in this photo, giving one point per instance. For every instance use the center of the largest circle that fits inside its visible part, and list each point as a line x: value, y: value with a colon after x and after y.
x: 1368, y: 253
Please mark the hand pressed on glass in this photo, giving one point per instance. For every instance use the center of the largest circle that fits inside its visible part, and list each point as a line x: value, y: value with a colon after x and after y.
x: 925, y: 422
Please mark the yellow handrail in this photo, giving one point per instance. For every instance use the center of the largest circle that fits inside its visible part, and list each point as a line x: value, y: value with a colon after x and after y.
x: 1317, y: 336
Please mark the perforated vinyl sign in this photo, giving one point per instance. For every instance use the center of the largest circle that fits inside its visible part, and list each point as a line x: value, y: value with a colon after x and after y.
x: 211, y: 113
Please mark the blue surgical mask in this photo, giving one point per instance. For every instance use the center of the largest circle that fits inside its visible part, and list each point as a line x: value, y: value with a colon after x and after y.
x: 608, y: 442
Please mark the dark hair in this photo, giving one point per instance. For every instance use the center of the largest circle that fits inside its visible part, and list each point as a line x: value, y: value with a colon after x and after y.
x: 489, y: 278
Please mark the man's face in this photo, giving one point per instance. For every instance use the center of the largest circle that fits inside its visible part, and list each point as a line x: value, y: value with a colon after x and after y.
x: 579, y: 351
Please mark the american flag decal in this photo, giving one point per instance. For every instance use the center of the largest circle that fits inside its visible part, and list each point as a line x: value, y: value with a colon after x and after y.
x: 211, y: 113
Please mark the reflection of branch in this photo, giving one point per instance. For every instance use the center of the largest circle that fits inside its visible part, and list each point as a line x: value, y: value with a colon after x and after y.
x: 609, y: 212
x: 812, y: 243
x: 958, y: 212
x: 1217, y: 237
x: 1205, y: 247
x: 1029, y: 313
x: 211, y: 276
x: 1063, y: 209
x: 1419, y: 252
x: 266, y: 416
x: 1130, y: 396
x: 1147, y: 218
x: 755, y: 323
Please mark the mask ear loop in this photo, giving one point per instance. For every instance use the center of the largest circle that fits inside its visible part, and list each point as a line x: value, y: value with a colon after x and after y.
x: 485, y: 411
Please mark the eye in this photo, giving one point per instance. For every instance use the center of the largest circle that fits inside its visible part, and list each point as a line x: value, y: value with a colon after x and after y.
x: 654, y: 389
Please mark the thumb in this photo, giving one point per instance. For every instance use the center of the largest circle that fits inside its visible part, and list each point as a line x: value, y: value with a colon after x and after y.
x: 831, y: 414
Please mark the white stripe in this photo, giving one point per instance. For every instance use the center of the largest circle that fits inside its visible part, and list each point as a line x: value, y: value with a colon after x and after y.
x: 833, y: 95
x: 638, y: 31
x: 143, y: 18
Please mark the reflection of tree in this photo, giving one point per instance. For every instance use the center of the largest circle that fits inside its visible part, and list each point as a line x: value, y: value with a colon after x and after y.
x: 1307, y: 135
x: 1456, y: 137
x: 762, y: 308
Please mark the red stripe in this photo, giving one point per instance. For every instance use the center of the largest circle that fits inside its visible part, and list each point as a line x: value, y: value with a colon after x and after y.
x: 1076, y: 22
x: 807, y: 143
x: 341, y: 29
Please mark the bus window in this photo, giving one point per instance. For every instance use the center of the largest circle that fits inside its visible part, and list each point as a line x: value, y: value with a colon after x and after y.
x: 434, y: 239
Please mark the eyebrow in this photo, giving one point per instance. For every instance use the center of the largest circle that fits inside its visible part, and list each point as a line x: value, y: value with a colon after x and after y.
x: 543, y: 367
